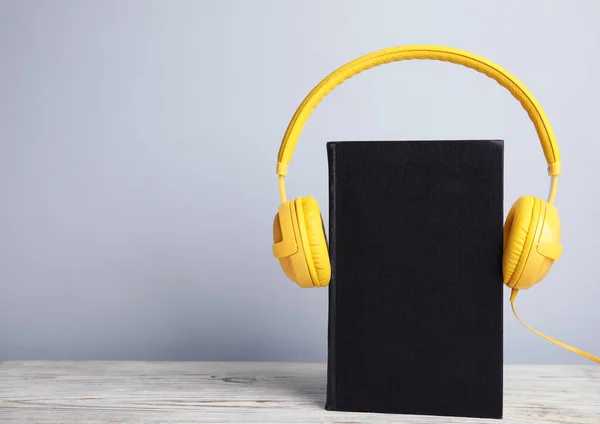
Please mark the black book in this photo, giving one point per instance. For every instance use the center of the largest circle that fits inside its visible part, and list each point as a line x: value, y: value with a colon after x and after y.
x: 416, y: 296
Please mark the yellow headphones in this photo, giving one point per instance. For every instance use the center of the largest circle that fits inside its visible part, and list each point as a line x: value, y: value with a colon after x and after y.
x: 532, y: 228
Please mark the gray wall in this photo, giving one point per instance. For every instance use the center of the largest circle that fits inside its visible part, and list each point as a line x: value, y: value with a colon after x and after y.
x: 138, y: 143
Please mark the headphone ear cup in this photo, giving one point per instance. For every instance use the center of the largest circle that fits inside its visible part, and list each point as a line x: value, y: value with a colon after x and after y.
x: 519, y: 237
x: 314, y: 241
x: 284, y: 261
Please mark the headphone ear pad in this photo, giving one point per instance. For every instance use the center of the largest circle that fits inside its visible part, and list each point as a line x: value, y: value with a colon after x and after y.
x: 519, y: 230
x: 315, y: 244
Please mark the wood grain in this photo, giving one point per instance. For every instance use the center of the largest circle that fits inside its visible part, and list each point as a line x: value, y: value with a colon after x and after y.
x: 220, y: 392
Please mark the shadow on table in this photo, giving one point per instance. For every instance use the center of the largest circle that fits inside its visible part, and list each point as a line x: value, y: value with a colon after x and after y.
x: 294, y: 383
x: 308, y: 389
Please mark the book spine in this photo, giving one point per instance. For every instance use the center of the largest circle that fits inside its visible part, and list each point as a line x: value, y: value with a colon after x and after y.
x: 331, y: 336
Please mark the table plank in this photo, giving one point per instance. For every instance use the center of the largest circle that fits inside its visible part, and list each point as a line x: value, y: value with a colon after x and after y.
x: 236, y: 392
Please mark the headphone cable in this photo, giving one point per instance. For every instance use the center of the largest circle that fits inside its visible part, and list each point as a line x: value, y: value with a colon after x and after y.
x: 513, y: 296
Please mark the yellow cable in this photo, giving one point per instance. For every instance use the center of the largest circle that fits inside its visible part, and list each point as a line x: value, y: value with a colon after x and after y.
x: 282, y: 189
x: 550, y: 339
x: 553, y: 189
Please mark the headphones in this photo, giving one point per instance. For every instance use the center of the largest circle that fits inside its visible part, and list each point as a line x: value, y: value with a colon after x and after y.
x: 532, y: 229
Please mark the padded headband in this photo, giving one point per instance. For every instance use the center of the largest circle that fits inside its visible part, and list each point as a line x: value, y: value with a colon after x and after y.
x: 422, y: 52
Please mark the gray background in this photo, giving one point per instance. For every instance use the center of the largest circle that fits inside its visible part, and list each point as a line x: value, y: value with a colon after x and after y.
x: 138, y: 144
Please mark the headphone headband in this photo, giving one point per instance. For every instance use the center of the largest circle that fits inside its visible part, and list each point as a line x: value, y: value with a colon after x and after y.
x: 421, y: 52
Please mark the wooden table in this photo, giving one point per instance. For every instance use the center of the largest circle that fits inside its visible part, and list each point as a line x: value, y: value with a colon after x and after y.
x: 221, y: 392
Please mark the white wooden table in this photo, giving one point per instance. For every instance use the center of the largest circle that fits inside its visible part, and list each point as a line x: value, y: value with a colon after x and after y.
x: 221, y: 392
